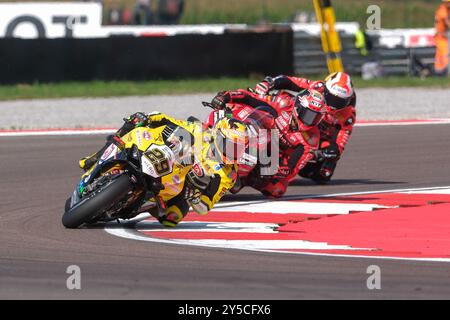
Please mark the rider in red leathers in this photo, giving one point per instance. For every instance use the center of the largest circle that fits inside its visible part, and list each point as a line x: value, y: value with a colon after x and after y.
x: 296, y: 119
x: 337, y: 125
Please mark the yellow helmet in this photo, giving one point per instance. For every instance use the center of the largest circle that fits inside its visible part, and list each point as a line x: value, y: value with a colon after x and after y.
x: 230, y: 140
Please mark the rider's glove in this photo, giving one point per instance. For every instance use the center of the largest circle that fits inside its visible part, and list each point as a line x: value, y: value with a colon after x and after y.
x: 220, y: 100
x: 265, y: 86
x: 192, y: 194
x: 262, y: 88
x: 138, y: 119
x: 328, y: 153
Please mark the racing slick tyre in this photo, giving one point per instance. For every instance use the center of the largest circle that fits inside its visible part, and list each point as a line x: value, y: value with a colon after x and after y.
x: 67, y: 205
x: 107, y: 196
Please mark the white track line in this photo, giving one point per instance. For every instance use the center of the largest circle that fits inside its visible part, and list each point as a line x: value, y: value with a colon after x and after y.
x: 439, y: 190
x: 130, y: 233
x: 292, y: 207
x: 402, y: 123
x: 68, y: 132
x: 94, y: 131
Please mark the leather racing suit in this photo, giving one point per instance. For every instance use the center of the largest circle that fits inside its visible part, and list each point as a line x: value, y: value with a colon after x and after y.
x: 335, y: 128
x: 296, y: 147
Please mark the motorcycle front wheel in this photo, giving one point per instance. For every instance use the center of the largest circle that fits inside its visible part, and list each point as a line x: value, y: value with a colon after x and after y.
x: 106, y: 197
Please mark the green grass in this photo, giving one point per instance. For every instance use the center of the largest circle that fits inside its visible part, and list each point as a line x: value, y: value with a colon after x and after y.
x: 118, y: 88
x: 129, y: 88
x: 397, y: 82
x: 395, y: 13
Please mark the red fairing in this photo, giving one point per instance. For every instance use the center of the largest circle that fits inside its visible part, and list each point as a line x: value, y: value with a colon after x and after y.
x: 290, y: 138
x: 210, y: 120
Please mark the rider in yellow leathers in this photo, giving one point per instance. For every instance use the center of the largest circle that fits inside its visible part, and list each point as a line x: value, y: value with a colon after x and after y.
x: 203, y: 171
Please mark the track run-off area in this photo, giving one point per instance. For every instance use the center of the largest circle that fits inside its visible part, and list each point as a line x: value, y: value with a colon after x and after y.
x: 388, y: 205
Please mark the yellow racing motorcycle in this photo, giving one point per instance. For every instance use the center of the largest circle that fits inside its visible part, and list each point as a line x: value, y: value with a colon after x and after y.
x: 132, y: 176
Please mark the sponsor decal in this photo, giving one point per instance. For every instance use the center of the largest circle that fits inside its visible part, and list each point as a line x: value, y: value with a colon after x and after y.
x: 147, y: 136
x: 223, y: 192
x: 198, y: 170
x: 50, y: 20
x: 109, y: 153
x: 281, y: 122
x: 138, y: 137
x: 148, y: 168
x: 243, y: 114
x: 317, y: 96
x: 207, y: 167
x: 340, y: 90
x: 316, y: 104
x: 293, y: 138
x: 176, y: 179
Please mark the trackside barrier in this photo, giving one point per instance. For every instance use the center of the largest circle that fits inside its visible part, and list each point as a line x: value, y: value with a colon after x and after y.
x: 398, y: 60
x: 237, y: 51
x: 145, y: 58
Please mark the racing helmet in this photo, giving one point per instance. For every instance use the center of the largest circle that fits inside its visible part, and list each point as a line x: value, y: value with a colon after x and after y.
x: 309, y: 108
x: 338, y: 90
x: 230, y: 140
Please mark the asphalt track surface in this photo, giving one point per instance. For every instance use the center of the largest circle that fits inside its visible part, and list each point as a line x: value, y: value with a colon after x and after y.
x: 39, y: 173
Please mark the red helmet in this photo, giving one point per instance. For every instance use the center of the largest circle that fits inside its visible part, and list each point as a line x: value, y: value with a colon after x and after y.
x: 309, y: 108
x: 338, y: 90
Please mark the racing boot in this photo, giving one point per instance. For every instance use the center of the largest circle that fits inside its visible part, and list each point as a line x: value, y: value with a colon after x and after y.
x: 324, y: 174
x: 172, y: 217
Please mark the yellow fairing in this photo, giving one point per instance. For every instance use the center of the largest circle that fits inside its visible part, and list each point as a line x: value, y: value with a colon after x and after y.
x: 174, y: 182
x: 144, y: 137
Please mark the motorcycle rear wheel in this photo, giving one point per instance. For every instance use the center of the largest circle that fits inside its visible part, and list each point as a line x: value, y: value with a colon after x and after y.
x: 87, y: 209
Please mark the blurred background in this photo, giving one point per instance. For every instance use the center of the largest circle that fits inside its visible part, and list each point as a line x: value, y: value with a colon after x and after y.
x: 396, y: 13
x: 146, y: 40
